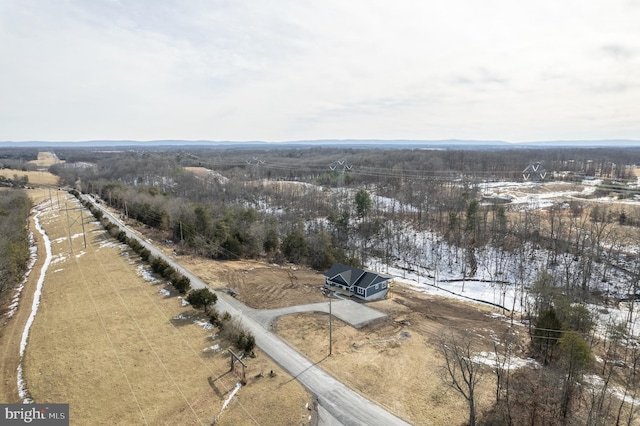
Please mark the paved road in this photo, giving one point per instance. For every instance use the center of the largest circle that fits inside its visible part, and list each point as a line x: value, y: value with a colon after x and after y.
x: 343, y: 404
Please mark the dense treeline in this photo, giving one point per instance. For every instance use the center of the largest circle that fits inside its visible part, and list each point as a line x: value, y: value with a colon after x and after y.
x: 14, y: 237
x: 222, y: 230
x: 235, y: 215
x: 16, y: 158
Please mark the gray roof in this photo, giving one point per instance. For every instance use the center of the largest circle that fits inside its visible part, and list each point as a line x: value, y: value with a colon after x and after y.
x: 353, y: 276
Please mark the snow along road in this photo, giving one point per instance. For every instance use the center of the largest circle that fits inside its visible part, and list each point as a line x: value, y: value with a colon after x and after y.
x: 345, y: 405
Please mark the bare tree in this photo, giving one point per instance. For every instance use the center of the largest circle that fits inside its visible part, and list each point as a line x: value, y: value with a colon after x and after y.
x: 460, y: 371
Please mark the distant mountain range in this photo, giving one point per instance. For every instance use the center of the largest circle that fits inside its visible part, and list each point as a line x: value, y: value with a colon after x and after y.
x: 342, y: 143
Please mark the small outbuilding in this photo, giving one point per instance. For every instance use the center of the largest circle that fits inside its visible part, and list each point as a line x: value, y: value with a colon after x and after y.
x: 361, y: 283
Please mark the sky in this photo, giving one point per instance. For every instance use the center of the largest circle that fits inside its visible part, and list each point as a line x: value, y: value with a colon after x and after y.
x: 280, y: 70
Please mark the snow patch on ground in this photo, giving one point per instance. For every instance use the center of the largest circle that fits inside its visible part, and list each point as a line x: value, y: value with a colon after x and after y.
x: 165, y: 292
x: 214, y: 348
x: 146, y: 274
x: 598, y: 383
x: 109, y: 243
x: 233, y: 393
x: 204, y: 324
x: 513, y: 363
x: 58, y: 259
x: 183, y: 302
x: 22, y: 387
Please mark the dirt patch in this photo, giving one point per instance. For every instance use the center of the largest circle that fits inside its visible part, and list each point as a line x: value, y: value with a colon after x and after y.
x: 396, y: 362
x: 260, y: 285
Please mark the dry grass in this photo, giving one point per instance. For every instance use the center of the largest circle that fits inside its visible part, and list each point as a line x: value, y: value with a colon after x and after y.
x: 396, y: 362
x: 200, y: 171
x: 104, y: 341
x: 260, y: 285
x: 35, y: 178
x: 46, y: 159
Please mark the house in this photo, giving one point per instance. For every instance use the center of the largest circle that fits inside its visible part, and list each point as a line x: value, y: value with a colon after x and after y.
x: 350, y: 281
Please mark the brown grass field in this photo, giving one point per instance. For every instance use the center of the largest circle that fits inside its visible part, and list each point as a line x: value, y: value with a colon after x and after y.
x: 107, y: 342
x: 35, y: 178
x: 46, y: 159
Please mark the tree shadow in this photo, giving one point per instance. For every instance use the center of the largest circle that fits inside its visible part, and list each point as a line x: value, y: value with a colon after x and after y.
x: 186, y: 318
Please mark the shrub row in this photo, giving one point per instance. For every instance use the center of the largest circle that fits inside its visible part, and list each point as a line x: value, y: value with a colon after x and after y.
x: 158, y: 265
x: 230, y: 330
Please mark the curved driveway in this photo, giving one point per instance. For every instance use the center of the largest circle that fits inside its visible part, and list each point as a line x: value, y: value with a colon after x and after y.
x: 345, y: 405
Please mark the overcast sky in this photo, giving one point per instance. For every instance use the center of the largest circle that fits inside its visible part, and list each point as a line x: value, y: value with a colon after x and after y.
x: 326, y: 69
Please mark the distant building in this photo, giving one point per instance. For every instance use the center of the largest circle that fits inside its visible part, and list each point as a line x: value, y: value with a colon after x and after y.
x: 351, y: 281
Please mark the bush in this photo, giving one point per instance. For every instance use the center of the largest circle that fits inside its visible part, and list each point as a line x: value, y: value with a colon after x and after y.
x: 214, y: 319
x: 122, y: 237
x: 135, y: 245
x: 235, y: 333
x: 202, y: 298
x: 182, y: 283
x: 113, y: 230
x: 250, y: 343
x: 158, y: 265
x: 145, y: 254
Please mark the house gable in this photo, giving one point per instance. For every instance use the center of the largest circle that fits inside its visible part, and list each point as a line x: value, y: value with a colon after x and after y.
x: 358, y: 282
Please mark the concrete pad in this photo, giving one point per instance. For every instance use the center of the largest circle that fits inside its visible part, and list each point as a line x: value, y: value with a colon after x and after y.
x: 356, y: 314
x: 353, y: 313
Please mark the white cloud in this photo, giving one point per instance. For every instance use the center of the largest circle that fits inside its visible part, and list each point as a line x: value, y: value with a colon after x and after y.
x: 303, y: 70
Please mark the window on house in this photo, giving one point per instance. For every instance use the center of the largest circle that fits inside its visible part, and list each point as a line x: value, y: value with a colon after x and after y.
x: 376, y: 286
x: 384, y: 285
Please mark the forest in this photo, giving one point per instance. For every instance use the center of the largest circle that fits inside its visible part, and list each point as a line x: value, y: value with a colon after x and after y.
x: 15, y: 245
x: 426, y: 212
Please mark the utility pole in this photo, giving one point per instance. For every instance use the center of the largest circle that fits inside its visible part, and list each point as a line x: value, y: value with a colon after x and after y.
x: 255, y: 162
x: 330, y: 327
x: 535, y: 171
x: 181, y: 234
x: 84, y: 234
x: 66, y: 210
x: 341, y: 164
